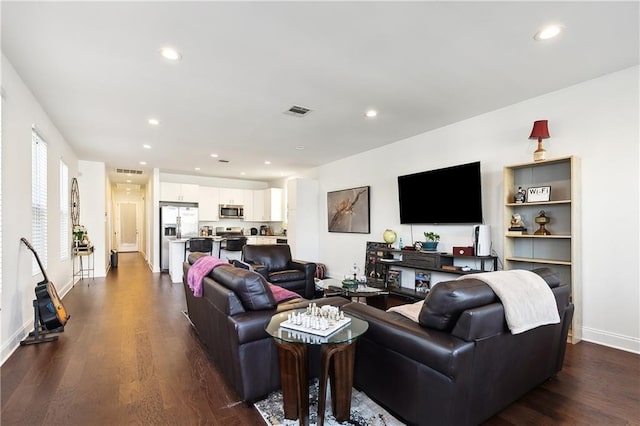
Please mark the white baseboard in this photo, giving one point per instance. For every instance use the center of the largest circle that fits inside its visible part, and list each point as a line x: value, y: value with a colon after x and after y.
x: 613, y: 340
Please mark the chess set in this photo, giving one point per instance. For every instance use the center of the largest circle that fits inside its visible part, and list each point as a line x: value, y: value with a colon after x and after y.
x: 321, y: 321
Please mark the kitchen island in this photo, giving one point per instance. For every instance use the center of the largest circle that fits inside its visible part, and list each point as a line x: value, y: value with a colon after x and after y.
x: 177, y: 255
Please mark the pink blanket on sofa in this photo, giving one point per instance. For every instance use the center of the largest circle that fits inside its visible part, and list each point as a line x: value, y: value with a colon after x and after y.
x: 201, y: 269
x: 282, y: 294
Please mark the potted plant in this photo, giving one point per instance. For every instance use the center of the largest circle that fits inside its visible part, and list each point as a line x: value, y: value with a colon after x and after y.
x: 432, y: 240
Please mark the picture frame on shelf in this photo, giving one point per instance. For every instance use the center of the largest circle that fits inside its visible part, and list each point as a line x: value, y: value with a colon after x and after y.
x: 538, y: 194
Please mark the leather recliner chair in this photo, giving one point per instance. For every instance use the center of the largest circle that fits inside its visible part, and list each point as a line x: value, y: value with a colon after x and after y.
x: 274, y: 263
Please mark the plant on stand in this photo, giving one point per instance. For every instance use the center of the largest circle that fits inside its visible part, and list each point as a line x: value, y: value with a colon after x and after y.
x: 432, y: 241
x: 80, y: 235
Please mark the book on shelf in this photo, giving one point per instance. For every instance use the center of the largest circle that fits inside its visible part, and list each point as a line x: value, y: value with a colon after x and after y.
x: 394, y: 278
x: 515, y: 233
x: 423, y: 281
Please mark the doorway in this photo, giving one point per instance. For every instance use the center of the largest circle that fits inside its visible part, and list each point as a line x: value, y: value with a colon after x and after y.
x: 127, y: 226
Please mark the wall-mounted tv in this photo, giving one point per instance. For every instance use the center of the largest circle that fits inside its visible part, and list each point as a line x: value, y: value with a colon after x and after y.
x: 444, y: 196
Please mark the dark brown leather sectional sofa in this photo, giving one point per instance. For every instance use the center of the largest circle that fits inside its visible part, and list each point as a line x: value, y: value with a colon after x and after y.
x: 230, y: 319
x: 460, y: 364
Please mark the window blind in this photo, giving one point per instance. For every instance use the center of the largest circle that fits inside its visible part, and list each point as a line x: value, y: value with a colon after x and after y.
x: 64, y: 211
x: 38, y: 200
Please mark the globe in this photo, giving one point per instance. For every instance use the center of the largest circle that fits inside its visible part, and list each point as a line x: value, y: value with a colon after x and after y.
x: 389, y: 236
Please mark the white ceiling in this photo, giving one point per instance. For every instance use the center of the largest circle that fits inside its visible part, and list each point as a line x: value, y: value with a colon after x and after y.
x: 95, y: 68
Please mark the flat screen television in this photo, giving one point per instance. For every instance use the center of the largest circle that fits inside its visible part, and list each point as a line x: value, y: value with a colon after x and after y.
x: 442, y: 196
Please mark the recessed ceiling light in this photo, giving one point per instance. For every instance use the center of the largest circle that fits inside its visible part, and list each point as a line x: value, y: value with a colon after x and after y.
x: 267, y: 162
x: 154, y: 121
x: 548, y: 32
x: 197, y: 168
x: 170, y: 53
x: 144, y: 163
x: 242, y: 173
x: 146, y: 146
x: 300, y: 147
x: 214, y: 155
x: 371, y: 113
x: 128, y: 180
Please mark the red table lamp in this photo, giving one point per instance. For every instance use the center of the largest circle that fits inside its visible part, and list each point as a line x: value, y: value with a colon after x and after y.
x: 540, y: 131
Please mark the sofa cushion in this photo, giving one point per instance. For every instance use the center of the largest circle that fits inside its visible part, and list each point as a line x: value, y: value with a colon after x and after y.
x: 275, y: 257
x: 249, y: 286
x: 281, y: 294
x: 409, y: 310
x: 448, y: 299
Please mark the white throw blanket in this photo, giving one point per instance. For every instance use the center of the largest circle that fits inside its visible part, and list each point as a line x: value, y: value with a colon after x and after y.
x: 527, y: 299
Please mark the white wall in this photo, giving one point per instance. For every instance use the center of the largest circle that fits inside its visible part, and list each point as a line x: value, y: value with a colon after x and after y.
x: 93, y: 210
x: 20, y: 110
x: 596, y: 121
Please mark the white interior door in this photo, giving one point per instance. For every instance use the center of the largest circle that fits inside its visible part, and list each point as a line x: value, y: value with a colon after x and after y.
x: 127, y: 226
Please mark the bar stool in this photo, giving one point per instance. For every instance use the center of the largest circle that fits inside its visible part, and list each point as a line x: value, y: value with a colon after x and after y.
x: 200, y: 245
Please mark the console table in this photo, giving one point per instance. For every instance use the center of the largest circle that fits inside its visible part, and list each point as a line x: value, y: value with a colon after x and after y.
x: 380, y: 258
x: 337, y: 353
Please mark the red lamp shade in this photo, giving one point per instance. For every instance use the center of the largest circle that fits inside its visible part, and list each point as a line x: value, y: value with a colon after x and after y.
x: 540, y: 130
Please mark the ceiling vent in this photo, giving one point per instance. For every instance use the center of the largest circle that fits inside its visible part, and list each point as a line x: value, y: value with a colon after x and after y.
x: 298, y: 111
x: 129, y: 171
x: 223, y: 161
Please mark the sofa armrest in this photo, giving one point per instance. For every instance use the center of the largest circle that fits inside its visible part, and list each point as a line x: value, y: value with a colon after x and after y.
x: 480, y: 323
x: 309, y: 269
x: 436, y: 349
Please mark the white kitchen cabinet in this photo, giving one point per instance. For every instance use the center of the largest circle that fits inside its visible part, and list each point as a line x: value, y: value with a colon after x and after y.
x: 208, y: 203
x: 262, y: 240
x: 184, y: 192
x: 257, y: 208
x: 233, y: 196
x: 267, y: 206
x: 273, y: 204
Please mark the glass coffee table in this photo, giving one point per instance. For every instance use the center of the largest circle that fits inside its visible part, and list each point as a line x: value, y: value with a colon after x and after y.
x: 334, y: 287
x: 337, y: 359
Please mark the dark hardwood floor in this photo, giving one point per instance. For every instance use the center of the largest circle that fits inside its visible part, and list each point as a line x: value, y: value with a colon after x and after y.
x: 129, y: 356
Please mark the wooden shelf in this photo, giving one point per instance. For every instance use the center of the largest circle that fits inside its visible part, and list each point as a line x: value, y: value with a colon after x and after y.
x: 539, y: 236
x: 559, y: 251
x: 538, y: 260
x: 539, y: 203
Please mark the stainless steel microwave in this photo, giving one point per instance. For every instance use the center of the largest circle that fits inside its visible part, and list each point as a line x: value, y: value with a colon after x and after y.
x: 229, y: 211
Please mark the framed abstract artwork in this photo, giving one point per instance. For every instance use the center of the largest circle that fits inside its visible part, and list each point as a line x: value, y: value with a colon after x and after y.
x: 348, y: 210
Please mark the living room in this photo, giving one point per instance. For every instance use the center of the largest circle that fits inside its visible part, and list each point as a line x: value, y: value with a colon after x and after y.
x: 595, y: 120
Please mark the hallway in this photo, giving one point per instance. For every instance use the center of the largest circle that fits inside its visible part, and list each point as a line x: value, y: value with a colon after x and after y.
x: 128, y: 355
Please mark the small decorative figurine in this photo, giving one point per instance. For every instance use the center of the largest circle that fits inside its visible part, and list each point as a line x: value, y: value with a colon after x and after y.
x: 516, y: 223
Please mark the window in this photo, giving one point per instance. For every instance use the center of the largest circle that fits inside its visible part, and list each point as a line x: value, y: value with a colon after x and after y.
x: 64, y: 211
x: 38, y: 200
x: 2, y: 95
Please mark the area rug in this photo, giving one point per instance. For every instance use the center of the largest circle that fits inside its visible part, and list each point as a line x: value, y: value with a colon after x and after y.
x: 364, y: 412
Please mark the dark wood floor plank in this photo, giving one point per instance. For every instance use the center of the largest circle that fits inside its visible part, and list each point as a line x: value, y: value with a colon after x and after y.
x: 129, y: 356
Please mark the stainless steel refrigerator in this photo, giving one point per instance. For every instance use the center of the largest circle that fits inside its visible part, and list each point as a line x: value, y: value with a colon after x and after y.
x: 176, y: 220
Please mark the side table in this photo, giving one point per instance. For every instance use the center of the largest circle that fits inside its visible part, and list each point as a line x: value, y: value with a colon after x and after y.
x: 337, y: 354
x: 84, y: 270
